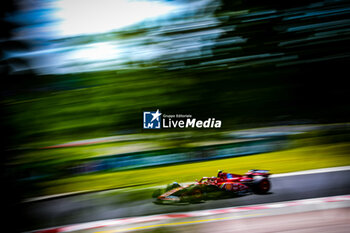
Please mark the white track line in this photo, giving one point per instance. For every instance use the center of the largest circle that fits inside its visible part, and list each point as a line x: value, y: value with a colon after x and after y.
x: 199, y: 213
x: 313, y: 171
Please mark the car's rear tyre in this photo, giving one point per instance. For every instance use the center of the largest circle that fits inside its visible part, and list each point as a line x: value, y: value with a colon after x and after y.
x: 197, y: 195
x: 192, y: 196
x: 261, y: 186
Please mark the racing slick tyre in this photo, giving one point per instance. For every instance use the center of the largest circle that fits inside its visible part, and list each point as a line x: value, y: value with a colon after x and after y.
x: 194, y: 195
x: 261, y: 185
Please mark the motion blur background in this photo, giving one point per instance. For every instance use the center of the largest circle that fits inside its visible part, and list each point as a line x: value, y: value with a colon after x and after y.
x: 76, y: 76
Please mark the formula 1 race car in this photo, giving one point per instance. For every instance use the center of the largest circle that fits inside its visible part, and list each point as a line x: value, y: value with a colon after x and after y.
x: 224, y: 185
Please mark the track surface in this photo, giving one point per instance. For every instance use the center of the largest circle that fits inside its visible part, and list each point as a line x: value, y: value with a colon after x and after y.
x: 322, y: 221
x: 84, y: 208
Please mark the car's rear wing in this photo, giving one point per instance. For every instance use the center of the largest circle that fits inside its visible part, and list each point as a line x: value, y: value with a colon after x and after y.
x: 258, y: 172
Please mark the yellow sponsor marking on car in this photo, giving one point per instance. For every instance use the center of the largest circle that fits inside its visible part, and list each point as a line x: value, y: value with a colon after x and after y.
x: 178, y: 223
x: 171, y: 192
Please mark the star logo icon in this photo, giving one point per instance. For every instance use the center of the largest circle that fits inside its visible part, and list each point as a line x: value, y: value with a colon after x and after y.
x: 152, y: 120
x: 156, y: 115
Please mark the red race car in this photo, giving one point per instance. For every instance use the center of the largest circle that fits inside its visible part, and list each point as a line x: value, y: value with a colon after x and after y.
x: 225, y: 184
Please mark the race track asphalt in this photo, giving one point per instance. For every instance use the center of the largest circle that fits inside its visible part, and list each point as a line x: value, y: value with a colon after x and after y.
x: 320, y: 221
x: 87, y: 207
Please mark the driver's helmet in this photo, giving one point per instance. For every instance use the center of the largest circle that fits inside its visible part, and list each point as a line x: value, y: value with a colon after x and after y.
x: 175, y: 184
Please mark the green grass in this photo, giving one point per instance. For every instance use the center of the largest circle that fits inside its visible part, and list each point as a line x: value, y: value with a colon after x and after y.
x: 126, y: 144
x: 303, y: 158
